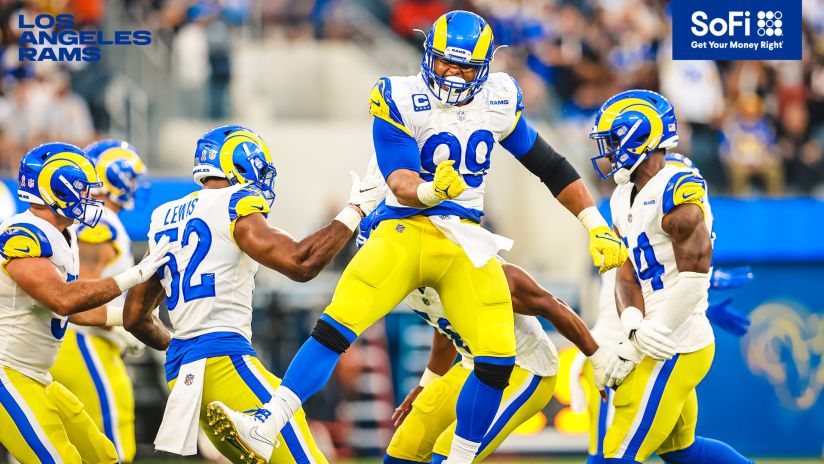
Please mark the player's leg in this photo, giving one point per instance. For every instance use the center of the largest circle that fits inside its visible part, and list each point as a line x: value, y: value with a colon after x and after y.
x: 242, y: 383
x: 92, y: 369
x: 30, y: 427
x: 600, y: 412
x: 432, y: 412
x: 526, y: 395
x: 83, y: 433
x: 683, y: 447
x: 649, y: 403
x: 478, y: 305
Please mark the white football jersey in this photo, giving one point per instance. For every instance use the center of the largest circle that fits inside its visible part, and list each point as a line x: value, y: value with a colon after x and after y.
x: 536, y: 353
x: 109, y: 229
x: 650, y: 247
x: 30, y: 333
x: 465, y: 134
x: 209, y: 282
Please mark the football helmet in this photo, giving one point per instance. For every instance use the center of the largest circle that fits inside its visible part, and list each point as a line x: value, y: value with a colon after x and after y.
x: 628, y: 127
x: 61, y: 177
x: 120, y: 168
x: 237, y: 154
x: 460, y: 37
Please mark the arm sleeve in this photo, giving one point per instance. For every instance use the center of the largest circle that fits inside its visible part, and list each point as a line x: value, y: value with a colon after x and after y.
x: 540, y: 158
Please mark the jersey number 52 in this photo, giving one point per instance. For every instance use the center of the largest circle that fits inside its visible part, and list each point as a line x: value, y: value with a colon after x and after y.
x: 206, y: 287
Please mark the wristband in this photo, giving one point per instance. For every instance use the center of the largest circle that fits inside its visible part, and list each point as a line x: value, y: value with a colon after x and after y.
x: 428, y: 377
x: 591, y: 218
x: 114, y: 316
x: 426, y: 194
x: 350, y: 217
x: 126, y: 279
x: 631, y: 318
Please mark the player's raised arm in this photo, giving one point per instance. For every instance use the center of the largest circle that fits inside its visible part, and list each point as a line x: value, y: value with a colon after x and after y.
x: 38, y: 277
x: 303, y: 260
x: 564, y: 182
x: 400, y: 160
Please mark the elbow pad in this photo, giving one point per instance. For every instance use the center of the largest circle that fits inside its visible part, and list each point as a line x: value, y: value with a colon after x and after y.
x: 551, y: 167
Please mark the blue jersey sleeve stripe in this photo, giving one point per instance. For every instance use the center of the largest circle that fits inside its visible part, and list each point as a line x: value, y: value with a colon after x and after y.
x: 394, y: 148
x: 247, y: 191
x: 521, y: 139
x: 387, y: 97
x: 676, y: 181
x: 519, y: 105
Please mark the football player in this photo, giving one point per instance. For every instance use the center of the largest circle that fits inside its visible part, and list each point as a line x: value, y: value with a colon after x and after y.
x: 208, y: 286
x: 433, y: 134
x: 609, y: 333
x: 89, y: 363
x: 40, y: 420
x: 663, y: 214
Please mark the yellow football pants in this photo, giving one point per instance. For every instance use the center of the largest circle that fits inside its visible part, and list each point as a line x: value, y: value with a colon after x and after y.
x: 656, y: 408
x: 92, y: 368
x: 242, y: 383
x: 47, y: 424
x: 431, y: 424
x: 600, y: 413
x: 404, y: 254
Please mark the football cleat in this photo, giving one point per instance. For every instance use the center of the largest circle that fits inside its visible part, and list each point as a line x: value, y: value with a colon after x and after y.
x: 241, y: 430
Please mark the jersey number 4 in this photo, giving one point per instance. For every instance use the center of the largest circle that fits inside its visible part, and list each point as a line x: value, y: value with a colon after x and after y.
x: 455, y: 151
x: 654, y: 270
x: 206, y: 287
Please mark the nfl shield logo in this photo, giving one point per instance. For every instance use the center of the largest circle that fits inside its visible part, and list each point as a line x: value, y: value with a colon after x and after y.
x: 400, y: 228
x: 189, y: 379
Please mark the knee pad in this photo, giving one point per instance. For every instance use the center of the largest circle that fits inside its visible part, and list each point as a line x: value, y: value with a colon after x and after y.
x: 327, y: 335
x: 494, y: 375
x: 92, y: 444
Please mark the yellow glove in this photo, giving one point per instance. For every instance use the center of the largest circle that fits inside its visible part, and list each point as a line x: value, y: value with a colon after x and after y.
x: 606, y: 248
x: 448, y: 183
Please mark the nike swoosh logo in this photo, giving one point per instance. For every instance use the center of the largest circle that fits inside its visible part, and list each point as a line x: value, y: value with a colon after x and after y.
x: 259, y: 208
x: 685, y: 196
x: 366, y: 190
x: 376, y: 103
x: 254, y: 432
x: 28, y: 249
x: 607, y: 237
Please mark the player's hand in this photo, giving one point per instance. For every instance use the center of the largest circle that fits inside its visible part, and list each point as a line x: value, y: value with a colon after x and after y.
x: 143, y: 271
x: 724, y: 279
x: 367, y: 193
x: 648, y: 335
x: 406, y: 407
x: 608, y: 369
x: 727, y: 318
x: 607, y: 249
x: 448, y: 183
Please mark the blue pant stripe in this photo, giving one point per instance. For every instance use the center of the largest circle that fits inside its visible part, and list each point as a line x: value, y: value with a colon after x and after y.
x: 22, y: 422
x: 387, y: 459
x: 345, y: 331
x: 438, y: 458
x: 508, y: 361
x: 603, y: 411
x: 509, y: 412
x: 263, y: 395
x: 652, y: 407
x: 102, y: 396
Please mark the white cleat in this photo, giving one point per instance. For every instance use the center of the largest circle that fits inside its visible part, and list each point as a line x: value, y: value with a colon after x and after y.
x: 242, y: 431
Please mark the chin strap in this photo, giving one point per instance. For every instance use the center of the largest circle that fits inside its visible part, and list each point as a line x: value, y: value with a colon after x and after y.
x: 622, y: 176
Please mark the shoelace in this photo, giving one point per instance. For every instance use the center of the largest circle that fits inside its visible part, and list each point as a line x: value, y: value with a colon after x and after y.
x: 259, y: 414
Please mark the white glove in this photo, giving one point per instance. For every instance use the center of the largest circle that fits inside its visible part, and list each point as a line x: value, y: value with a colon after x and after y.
x: 143, y: 271
x: 367, y: 193
x: 128, y: 343
x: 649, y: 336
x: 608, y: 369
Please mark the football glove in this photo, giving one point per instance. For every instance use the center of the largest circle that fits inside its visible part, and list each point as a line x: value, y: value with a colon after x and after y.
x: 727, y: 318
x: 367, y: 193
x: 607, y: 249
x: 128, y: 343
x: 145, y: 269
x: 724, y: 279
x: 608, y: 369
x: 448, y: 183
x: 649, y: 336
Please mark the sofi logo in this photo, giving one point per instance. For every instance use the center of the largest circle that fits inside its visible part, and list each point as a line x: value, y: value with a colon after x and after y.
x: 736, y: 30
x: 769, y: 24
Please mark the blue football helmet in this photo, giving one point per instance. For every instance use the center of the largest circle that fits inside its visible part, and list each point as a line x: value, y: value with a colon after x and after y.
x: 237, y: 154
x: 460, y: 37
x: 61, y: 177
x: 628, y: 127
x: 120, y: 168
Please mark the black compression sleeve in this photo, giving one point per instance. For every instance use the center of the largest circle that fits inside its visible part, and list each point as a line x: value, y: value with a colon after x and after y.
x: 551, y: 167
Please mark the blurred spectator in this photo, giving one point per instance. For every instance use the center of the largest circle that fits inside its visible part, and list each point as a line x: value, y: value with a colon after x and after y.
x: 802, y: 153
x: 748, y: 148
x: 67, y: 116
x: 415, y: 14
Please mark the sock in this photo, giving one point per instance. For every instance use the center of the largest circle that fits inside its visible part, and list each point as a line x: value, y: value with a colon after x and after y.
x: 706, y: 451
x: 462, y: 451
x: 438, y: 458
x: 283, y: 405
x: 310, y: 369
x: 387, y: 459
x: 476, y: 408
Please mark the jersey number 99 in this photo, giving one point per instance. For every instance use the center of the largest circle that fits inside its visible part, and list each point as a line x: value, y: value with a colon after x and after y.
x: 206, y: 287
x: 455, y: 151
